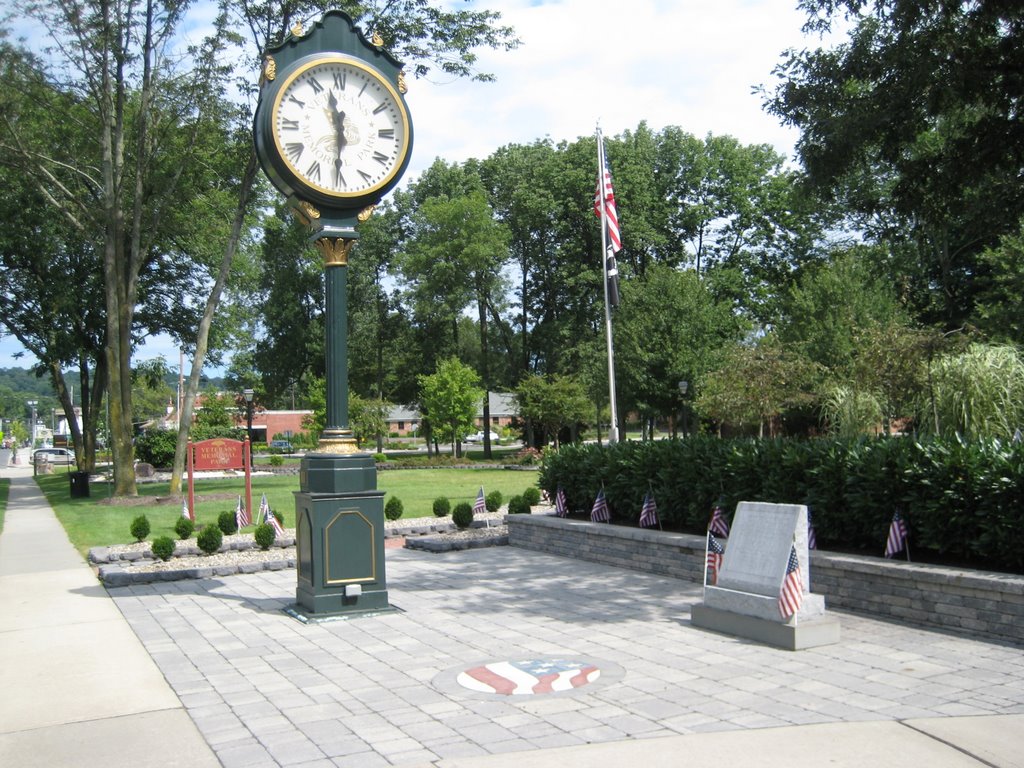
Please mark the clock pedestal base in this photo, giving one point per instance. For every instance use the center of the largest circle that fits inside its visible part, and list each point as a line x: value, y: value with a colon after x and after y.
x: 339, y: 517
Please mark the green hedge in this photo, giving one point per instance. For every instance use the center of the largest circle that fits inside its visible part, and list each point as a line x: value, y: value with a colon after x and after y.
x: 964, y: 500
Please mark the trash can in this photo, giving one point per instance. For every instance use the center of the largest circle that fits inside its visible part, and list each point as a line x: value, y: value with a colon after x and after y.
x: 79, y: 484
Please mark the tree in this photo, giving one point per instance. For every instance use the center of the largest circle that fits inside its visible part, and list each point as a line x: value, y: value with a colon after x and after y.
x: 552, y: 404
x: 754, y: 384
x: 368, y: 417
x: 830, y: 308
x: 450, y: 398
x: 913, y: 123
x: 456, y: 257
x: 668, y: 329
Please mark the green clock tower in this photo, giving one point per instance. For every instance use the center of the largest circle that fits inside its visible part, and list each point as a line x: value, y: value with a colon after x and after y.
x: 334, y: 135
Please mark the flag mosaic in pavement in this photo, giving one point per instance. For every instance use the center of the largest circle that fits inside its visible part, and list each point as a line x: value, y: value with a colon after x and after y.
x: 530, y: 676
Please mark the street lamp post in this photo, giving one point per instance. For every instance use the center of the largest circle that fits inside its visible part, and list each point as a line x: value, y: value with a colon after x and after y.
x: 32, y: 427
x: 247, y: 393
x: 683, y: 387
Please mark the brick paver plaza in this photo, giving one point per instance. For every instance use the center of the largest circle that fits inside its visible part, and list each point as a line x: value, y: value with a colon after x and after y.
x: 265, y: 689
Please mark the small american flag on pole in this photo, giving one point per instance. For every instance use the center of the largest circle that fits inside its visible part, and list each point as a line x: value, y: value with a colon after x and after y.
x: 897, y: 540
x: 270, y: 518
x: 718, y: 524
x: 561, y: 505
x: 242, y: 516
x: 648, y: 512
x: 792, y: 594
x: 184, y: 510
x: 600, y: 512
x: 714, y: 558
x: 480, y: 505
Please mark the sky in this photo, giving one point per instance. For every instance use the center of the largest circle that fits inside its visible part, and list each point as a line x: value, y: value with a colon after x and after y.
x: 584, y: 63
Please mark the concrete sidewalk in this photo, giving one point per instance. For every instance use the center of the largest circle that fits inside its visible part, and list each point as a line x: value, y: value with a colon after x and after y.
x: 78, y: 688
x: 213, y: 672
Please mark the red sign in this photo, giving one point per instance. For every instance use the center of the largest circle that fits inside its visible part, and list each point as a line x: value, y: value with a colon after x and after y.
x: 219, y: 453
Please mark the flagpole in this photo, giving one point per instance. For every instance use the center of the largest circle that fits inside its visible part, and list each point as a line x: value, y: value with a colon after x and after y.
x: 707, y: 545
x: 613, y: 433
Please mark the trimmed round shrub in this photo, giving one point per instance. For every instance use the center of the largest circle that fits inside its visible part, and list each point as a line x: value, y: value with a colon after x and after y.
x: 184, y: 528
x: 517, y: 505
x: 532, y: 495
x: 140, y: 528
x: 163, y: 547
x: 462, y: 515
x: 275, y: 461
x: 210, y: 539
x: 264, y: 536
x: 227, y: 523
x: 492, y: 501
x: 442, y: 507
x: 380, y: 458
x: 393, y: 509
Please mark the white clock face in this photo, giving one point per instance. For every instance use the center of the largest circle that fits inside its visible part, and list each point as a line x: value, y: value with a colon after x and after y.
x: 340, y: 127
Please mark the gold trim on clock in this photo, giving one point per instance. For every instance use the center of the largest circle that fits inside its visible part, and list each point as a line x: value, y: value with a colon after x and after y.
x: 373, y: 73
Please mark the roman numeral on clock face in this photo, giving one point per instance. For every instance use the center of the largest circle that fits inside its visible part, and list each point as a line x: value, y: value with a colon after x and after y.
x: 380, y: 158
x: 317, y: 88
x: 294, y: 150
x: 314, y: 171
x: 289, y: 125
x: 386, y: 133
x: 340, y: 78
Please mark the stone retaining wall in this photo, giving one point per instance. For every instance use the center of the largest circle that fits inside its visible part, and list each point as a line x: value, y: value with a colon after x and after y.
x: 979, y: 603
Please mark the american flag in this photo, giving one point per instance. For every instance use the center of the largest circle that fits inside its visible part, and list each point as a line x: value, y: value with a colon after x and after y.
x: 606, y: 194
x: 184, y: 510
x: 604, y: 207
x: 528, y: 676
x: 812, y: 537
x: 897, y: 540
x: 718, y: 524
x: 561, y: 505
x: 600, y: 513
x: 714, y: 558
x: 480, y: 505
x: 648, y: 512
x: 270, y: 518
x: 792, y: 594
x: 242, y: 517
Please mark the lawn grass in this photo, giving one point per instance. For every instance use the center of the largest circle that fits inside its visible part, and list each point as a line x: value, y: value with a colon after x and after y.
x: 5, y: 489
x: 94, y: 522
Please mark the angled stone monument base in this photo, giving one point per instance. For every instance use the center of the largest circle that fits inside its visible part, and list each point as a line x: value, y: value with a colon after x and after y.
x: 790, y: 636
x: 745, y: 601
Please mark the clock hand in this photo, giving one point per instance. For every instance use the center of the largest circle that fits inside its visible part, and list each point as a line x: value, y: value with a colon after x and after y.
x: 338, y: 121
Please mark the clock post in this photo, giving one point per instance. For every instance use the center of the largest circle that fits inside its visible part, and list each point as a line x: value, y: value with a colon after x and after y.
x: 333, y: 134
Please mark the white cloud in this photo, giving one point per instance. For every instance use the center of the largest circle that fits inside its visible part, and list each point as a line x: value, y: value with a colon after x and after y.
x: 690, y: 63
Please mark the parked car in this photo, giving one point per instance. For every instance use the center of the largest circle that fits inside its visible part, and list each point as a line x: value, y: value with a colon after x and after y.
x: 479, y: 437
x: 282, y: 446
x: 55, y: 455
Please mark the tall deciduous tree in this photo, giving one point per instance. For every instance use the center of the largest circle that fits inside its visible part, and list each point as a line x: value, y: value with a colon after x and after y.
x: 914, y: 123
